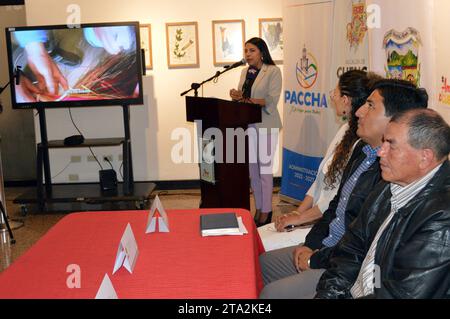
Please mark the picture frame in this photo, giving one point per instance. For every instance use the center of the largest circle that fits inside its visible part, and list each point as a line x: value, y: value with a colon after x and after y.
x: 271, y: 31
x: 182, y: 45
x: 228, y: 41
x: 145, y: 34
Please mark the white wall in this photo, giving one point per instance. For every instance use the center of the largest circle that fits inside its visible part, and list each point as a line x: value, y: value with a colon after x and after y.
x: 164, y: 109
x: 441, y: 27
x: 18, y: 149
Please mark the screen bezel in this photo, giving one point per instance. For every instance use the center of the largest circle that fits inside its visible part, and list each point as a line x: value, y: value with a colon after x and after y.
x: 85, y: 103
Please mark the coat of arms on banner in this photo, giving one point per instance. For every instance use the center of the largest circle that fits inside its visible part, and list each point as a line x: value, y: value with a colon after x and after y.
x: 307, y: 70
x: 444, y: 95
x: 402, y: 51
x: 357, y: 28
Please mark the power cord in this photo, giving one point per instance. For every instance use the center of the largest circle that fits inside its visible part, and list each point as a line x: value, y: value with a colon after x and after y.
x: 105, y: 158
x: 90, y: 149
x: 62, y: 171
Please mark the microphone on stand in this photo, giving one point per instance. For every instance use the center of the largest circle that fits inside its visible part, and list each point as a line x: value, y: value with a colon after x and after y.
x: 196, y: 86
x: 235, y: 65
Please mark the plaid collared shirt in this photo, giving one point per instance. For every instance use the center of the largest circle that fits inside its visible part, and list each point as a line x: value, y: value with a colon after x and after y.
x: 337, y: 226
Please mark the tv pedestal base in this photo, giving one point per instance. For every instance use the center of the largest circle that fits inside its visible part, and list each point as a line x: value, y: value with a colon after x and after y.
x: 87, y: 197
x: 47, y: 195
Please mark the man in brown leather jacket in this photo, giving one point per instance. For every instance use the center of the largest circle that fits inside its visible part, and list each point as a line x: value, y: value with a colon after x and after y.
x: 399, y: 245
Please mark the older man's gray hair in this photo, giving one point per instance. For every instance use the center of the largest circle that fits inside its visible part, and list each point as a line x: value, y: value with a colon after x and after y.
x: 427, y: 129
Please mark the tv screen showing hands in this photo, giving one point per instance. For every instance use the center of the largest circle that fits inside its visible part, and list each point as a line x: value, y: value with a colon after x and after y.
x: 62, y: 66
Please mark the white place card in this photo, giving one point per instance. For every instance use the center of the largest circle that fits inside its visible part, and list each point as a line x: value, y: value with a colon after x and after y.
x: 127, y: 252
x: 163, y: 220
x: 242, y: 228
x: 106, y: 290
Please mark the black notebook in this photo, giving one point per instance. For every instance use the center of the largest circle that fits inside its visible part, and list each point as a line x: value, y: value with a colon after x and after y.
x: 219, y: 224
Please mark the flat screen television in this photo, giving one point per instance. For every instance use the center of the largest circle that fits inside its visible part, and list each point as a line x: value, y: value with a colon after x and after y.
x: 90, y: 65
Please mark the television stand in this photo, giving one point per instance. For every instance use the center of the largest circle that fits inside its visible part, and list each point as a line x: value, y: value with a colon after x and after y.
x: 87, y: 197
x: 46, y: 195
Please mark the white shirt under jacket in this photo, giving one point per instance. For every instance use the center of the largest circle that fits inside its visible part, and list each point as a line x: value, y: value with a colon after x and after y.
x: 322, y: 196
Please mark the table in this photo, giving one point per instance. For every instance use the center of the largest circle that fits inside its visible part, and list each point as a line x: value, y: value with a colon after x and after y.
x: 176, y: 265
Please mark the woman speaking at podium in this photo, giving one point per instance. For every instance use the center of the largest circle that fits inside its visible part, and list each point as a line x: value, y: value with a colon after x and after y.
x: 260, y: 83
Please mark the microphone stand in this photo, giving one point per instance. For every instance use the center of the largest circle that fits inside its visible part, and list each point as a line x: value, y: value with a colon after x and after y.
x: 3, y: 88
x: 16, y: 77
x: 196, y: 86
x: 5, y: 224
x: 1, y: 91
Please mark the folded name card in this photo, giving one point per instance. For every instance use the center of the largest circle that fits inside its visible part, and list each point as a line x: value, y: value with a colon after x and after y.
x: 127, y: 252
x: 157, y: 223
x: 106, y: 290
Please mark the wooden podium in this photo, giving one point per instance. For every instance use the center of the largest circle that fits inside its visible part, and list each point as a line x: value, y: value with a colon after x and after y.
x: 231, y: 188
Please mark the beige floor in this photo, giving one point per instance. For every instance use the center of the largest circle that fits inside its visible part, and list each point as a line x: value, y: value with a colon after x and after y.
x: 36, y: 225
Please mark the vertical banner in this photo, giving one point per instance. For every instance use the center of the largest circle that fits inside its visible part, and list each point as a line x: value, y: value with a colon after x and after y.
x: 402, y: 47
x: 442, y: 74
x: 350, y: 38
x: 309, y: 121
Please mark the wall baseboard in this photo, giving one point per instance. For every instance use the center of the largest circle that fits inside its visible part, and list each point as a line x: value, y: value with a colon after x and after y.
x: 32, y: 183
x: 160, y: 185
x: 12, y: 2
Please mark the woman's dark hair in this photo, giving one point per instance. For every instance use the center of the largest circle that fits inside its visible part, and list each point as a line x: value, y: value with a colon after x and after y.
x: 262, y: 46
x: 357, y: 85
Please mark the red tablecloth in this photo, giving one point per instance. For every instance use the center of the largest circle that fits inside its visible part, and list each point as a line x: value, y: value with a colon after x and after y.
x: 180, y: 264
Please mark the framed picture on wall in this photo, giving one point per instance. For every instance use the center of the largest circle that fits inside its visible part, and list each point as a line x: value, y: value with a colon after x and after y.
x: 145, y: 33
x: 182, y: 45
x: 228, y: 41
x: 271, y: 31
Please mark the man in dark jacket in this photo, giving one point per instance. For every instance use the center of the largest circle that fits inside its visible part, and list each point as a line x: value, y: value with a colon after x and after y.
x: 399, y: 245
x: 294, y: 272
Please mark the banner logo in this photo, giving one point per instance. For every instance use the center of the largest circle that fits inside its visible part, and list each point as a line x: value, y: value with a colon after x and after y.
x: 357, y: 28
x: 307, y: 70
x: 402, y: 53
x: 444, y: 95
x: 306, y: 101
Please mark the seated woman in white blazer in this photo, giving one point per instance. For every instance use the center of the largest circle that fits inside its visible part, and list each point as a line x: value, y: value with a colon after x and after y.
x: 350, y: 94
x: 260, y: 83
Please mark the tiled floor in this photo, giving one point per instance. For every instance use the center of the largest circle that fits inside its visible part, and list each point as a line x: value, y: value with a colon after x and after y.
x: 36, y: 225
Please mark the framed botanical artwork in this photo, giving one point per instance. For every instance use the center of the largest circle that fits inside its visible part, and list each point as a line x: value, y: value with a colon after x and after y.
x: 145, y: 33
x: 228, y: 41
x: 182, y: 44
x: 271, y: 31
